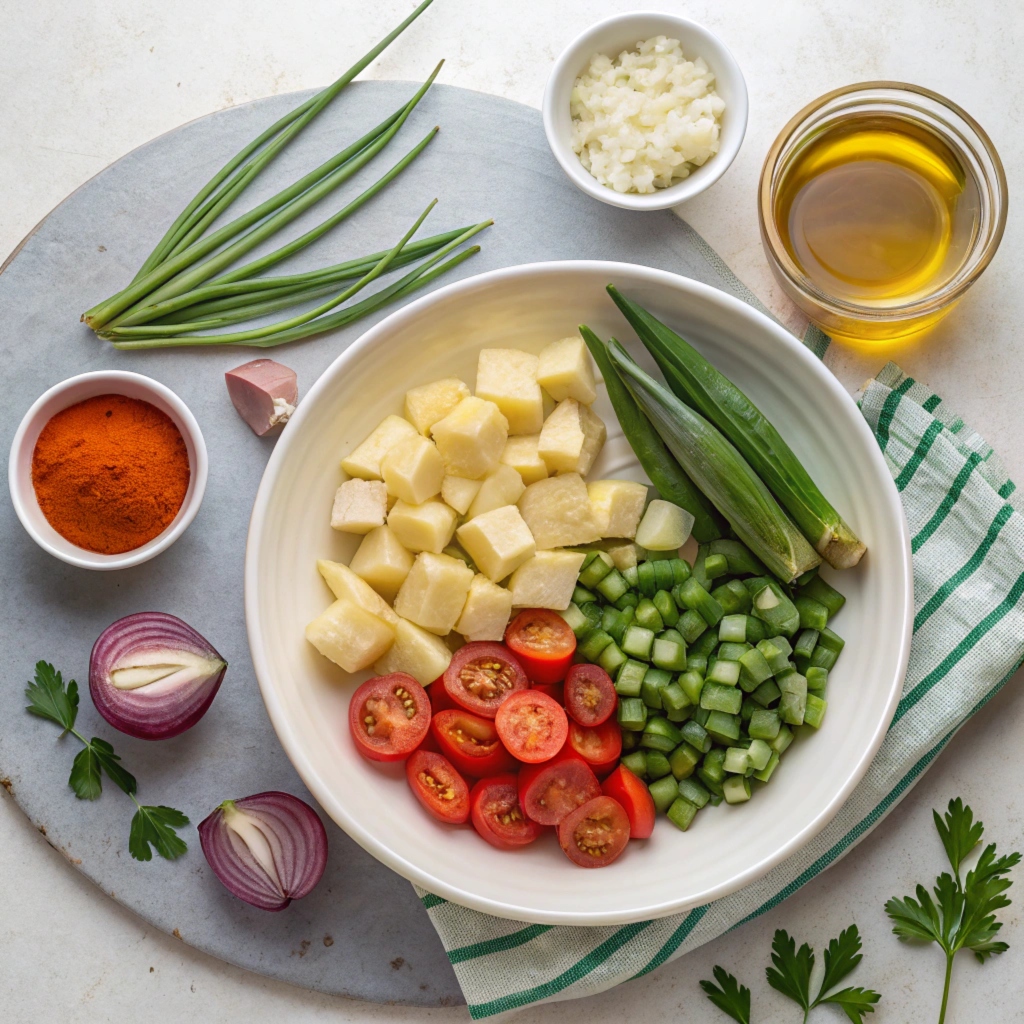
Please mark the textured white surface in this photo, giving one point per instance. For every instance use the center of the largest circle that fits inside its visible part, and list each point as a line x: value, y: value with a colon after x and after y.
x: 83, y: 84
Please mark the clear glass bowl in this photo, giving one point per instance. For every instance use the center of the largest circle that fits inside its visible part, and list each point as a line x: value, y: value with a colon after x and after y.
x: 864, y: 322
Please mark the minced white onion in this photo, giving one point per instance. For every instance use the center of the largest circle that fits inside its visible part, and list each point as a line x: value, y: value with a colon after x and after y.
x: 643, y: 121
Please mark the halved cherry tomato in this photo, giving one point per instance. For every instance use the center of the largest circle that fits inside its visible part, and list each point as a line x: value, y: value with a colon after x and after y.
x: 497, y: 816
x: 532, y: 726
x: 556, y: 691
x: 389, y: 716
x: 550, y: 791
x: 471, y: 743
x: 595, y: 834
x: 622, y: 785
x: 600, y: 746
x: 590, y: 697
x: 543, y: 642
x: 438, y: 786
x: 439, y: 697
x: 481, y: 675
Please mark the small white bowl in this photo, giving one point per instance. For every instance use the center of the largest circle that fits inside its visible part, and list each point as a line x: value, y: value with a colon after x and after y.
x: 78, y: 389
x: 611, y: 37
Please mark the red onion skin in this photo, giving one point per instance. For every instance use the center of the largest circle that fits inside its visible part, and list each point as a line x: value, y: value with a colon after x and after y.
x: 298, y: 841
x: 131, y: 712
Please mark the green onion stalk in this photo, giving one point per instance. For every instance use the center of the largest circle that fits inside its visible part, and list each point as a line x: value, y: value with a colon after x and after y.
x: 192, y: 283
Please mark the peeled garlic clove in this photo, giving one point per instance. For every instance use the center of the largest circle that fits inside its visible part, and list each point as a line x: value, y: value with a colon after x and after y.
x: 267, y: 849
x: 153, y: 676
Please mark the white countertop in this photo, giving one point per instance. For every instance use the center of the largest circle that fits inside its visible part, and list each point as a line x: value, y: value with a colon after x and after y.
x: 83, y: 84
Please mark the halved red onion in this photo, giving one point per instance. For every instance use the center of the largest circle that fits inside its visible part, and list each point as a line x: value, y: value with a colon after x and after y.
x: 153, y: 676
x: 267, y: 849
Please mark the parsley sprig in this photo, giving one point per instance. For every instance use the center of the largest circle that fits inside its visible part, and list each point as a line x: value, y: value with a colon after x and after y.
x: 152, y: 827
x: 791, y: 975
x: 962, y: 914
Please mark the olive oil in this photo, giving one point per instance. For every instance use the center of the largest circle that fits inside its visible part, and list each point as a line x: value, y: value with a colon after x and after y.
x: 877, y: 210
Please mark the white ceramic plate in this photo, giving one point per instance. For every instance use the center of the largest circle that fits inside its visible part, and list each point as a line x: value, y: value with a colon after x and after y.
x: 307, y: 696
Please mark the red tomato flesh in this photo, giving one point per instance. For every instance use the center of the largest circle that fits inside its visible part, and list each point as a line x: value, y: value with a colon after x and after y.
x: 556, y: 691
x: 600, y: 746
x: 590, y: 696
x: 438, y: 786
x: 389, y: 717
x: 481, y: 675
x: 439, y: 698
x: 497, y: 816
x: 595, y: 834
x: 543, y: 642
x: 532, y: 726
x: 471, y: 743
x: 550, y: 791
x: 622, y: 785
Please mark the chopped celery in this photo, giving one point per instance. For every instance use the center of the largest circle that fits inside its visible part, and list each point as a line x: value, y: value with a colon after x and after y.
x: 632, y: 714
x: 680, y: 571
x: 740, y: 558
x: 766, y: 773
x: 691, y: 625
x: 629, y: 574
x: 655, y: 680
x: 817, y: 679
x: 592, y: 643
x: 666, y: 607
x: 814, y: 710
x: 693, y: 596
x: 754, y: 670
x: 674, y: 698
x: 663, y: 792
x: 582, y: 596
x: 696, y: 735
x: 612, y: 659
x: 767, y: 693
x: 664, y: 578
x: 718, y: 697
x: 637, y: 642
x: 772, y: 605
x: 820, y: 591
x: 696, y: 663
x: 831, y: 641
x: 712, y: 765
x: 691, y: 684
x: 813, y: 614
x: 661, y: 734
x: 764, y: 724
x: 732, y: 650
x: 612, y: 586
x: 669, y: 654
x: 636, y: 762
x: 576, y: 620
x: 715, y: 566
x: 646, y: 581
x: 723, y: 727
x: 759, y: 754
x: 684, y: 760
x: 630, y: 678
x: 733, y: 597
x: 647, y: 616
x: 736, y: 760
x: 733, y: 628
x: 822, y: 658
x: 725, y: 672
x: 736, y: 789
x: 596, y: 566
x: 658, y: 766
x: 776, y: 653
x: 681, y: 813
x: 805, y: 643
x: 781, y: 742
x: 692, y: 790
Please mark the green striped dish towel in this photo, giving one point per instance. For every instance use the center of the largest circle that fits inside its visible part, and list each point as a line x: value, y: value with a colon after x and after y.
x: 968, y: 546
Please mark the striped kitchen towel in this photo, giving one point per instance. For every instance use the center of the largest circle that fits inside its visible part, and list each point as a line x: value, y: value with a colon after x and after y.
x: 968, y: 550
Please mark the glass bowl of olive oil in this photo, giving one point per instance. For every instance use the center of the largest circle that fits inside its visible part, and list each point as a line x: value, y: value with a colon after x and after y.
x: 880, y: 204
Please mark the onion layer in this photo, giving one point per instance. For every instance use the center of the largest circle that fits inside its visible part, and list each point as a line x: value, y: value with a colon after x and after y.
x: 153, y: 676
x: 267, y: 849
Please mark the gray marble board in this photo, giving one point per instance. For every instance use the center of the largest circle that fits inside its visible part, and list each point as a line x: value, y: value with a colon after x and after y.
x: 362, y: 932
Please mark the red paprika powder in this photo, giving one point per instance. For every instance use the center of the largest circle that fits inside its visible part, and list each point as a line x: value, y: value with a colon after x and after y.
x: 110, y: 473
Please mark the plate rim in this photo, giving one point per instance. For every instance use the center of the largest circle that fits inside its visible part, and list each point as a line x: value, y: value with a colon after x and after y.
x: 318, y: 787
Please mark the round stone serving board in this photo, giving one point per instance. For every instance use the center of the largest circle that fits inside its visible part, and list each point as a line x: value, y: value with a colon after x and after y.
x: 362, y: 932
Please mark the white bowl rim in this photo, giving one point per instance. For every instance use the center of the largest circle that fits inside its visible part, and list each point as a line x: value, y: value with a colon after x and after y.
x: 293, y: 747
x: 81, y: 557
x: 734, y: 128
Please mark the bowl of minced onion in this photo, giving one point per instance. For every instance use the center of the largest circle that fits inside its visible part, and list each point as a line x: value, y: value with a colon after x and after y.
x: 645, y: 110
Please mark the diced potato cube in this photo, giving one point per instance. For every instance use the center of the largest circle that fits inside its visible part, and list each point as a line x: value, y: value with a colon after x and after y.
x: 346, y: 585
x: 498, y: 541
x: 558, y: 512
x: 502, y: 487
x: 382, y: 562
x: 565, y: 371
x: 426, y: 527
x: 547, y: 580
x: 486, y: 612
x: 624, y: 554
x: 571, y: 438
x: 364, y: 461
x: 664, y: 527
x: 413, y: 470
x: 350, y: 636
x: 459, y: 492
x: 434, y: 592
x: 521, y: 454
x: 618, y: 506
x: 417, y: 652
x: 428, y: 403
x: 471, y: 438
x: 359, y: 506
x: 508, y: 377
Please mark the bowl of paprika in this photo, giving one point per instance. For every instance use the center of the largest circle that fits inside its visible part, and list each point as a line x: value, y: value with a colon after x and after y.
x: 107, y: 469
